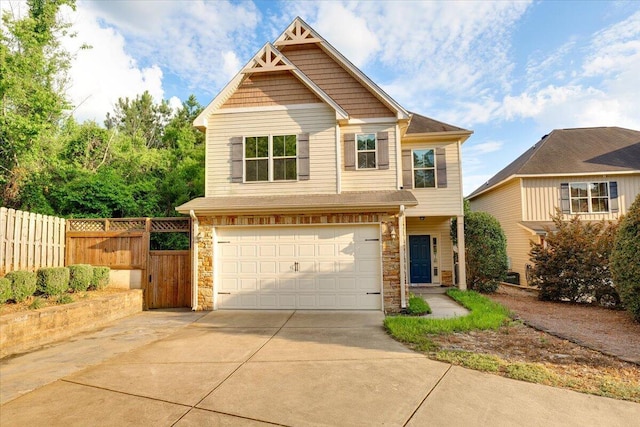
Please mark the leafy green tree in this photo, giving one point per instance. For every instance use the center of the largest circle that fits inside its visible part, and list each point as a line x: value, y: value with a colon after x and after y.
x: 625, y: 260
x: 141, y: 119
x: 573, y: 263
x: 485, y: 250
x: 32, y: 78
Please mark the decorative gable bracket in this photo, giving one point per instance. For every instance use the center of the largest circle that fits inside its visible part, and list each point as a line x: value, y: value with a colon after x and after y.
x: 267, y: 59
x: 297, y: 33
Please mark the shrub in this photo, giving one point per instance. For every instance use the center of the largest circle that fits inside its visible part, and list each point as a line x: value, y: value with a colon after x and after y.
x: 23, y: 284
x: 100, y: 278
x: 80, y: 277
x: 5, y: 290
x: 64, y: 299
x: 417, y: 306
x: 574, y: 263
x: 485, y: 250
x: 53, y: 280
x: 36, y: 304
x: 625, y: 260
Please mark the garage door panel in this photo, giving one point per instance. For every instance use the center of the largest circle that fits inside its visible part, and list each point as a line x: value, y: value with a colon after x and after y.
x: 306, y: 267
x: 287, y: 250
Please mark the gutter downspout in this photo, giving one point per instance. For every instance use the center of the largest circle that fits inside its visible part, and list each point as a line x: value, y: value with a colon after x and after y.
x: 401, y: 245
x: 194, y: 260
x: 338, y: 160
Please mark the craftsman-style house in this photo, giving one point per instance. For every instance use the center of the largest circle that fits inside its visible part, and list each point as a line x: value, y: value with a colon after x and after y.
x: 322, y: 192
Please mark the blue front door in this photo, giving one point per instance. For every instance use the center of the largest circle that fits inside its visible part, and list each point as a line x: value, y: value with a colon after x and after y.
x: 420, y: 259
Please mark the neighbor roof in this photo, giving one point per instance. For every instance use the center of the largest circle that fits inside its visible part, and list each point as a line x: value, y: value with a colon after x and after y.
x: 575, y: 151
x: 347, y: 201
x: 422, y: 124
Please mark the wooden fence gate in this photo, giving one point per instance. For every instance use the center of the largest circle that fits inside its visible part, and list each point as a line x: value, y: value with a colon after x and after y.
x: 124, y: 244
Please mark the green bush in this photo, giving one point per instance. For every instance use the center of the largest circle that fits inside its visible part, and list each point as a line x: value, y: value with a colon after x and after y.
x: 23, y: 284
x: 625, y: 260
x: 5, y: 290
x: 574, y: 263
x: 100, y: 278
x: 417, y: 306
x: 53, y: 280
x: 80, y: 277
x: 485, y: 250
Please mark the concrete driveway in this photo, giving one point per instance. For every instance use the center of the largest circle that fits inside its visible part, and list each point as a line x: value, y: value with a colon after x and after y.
x: 283, y: 368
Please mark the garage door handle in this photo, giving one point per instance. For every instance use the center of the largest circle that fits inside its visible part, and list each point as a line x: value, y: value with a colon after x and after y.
x: 373, y: 293
x: 224, y: 293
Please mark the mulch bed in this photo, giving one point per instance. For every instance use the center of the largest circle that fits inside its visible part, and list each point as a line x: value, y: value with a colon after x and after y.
x: 611, y: 332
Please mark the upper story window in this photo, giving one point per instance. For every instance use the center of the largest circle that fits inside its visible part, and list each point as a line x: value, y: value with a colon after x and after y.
x: 270, y: 158
x: 424, y: 168
x: 589, y: 197
x: 366, y: 150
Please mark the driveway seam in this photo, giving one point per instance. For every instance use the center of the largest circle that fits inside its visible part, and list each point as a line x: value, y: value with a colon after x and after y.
x: 236, y: 370
x: 427, y: 396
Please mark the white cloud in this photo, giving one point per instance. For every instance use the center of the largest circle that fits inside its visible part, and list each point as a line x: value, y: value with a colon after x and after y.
x: 102, y: 74
x: 199, y: 42
x: 603, y: 89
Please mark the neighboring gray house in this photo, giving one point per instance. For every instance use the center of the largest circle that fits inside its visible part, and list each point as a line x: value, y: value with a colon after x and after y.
x: 591, y: 172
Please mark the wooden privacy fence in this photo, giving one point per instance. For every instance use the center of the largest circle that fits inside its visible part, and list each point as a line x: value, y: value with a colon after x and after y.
x: 124, y: 244
x: 29, y: 241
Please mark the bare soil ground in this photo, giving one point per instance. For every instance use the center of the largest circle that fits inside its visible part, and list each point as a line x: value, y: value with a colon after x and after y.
x: 586, y: 348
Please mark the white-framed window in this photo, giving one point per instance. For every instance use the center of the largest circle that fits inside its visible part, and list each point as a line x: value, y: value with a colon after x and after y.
x: 270, y: 158
x: 366, y: 150
x: 589, y: 197
x: 424, y: 168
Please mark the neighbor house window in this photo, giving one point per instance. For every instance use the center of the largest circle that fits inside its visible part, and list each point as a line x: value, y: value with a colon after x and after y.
x: 366, y: 150
x: 424, y: 169
x: 589, y: 197
x: 270, y: 158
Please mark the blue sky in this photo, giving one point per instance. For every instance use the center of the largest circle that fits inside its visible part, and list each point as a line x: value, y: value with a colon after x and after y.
x: 509, y: 71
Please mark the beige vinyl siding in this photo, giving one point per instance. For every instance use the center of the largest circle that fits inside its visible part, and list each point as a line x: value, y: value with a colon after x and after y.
x: 370, y: 179
x: 439, y: 201
x: 277, y: 88
x: 336, y: 81
x: 542, y: 195
x: 505, y: 204
x: 318, y: 121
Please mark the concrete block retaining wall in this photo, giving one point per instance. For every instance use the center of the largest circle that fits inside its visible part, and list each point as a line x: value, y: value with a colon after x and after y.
x: 24, y: 331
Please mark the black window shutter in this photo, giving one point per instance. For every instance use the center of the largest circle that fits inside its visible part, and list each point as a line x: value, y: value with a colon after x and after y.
x: 303, y: 157
x: 236, y: 159
x: 565, y: 201
x: 407, y: 169
x: 613, y: 196
x: 350, y: 151
x: 441, y: 167
x: 382, y: 139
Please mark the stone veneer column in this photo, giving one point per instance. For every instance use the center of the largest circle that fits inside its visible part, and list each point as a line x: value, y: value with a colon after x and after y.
x: 391, y: 265
x: 205, y: 264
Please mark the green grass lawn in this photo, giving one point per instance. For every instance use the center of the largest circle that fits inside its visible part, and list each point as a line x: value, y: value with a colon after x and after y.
x: 485, y: 314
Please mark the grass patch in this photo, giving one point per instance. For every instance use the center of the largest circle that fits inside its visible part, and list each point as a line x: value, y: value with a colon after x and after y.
x: 417, y: 306
x: 485, y: 314
x: 530, y: 372
x: 479, y: 362
x: 64, y: 299
x: 36, y: 304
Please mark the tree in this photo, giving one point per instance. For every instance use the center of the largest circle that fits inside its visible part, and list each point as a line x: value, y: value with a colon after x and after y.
x: 625, y: 260
x: 32, y: 79
x: 485, y: 250
x: 573, y: 263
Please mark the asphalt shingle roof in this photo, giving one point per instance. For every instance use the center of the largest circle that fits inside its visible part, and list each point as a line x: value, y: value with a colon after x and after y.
x: 578, y: 150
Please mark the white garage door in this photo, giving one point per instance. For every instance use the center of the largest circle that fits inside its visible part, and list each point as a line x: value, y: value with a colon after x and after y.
x: 304, y: 267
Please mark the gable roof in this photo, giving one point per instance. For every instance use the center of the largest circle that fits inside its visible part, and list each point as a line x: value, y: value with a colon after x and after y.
x: 267, y: 59
x: 575, y: 151
x: 300, y: 32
